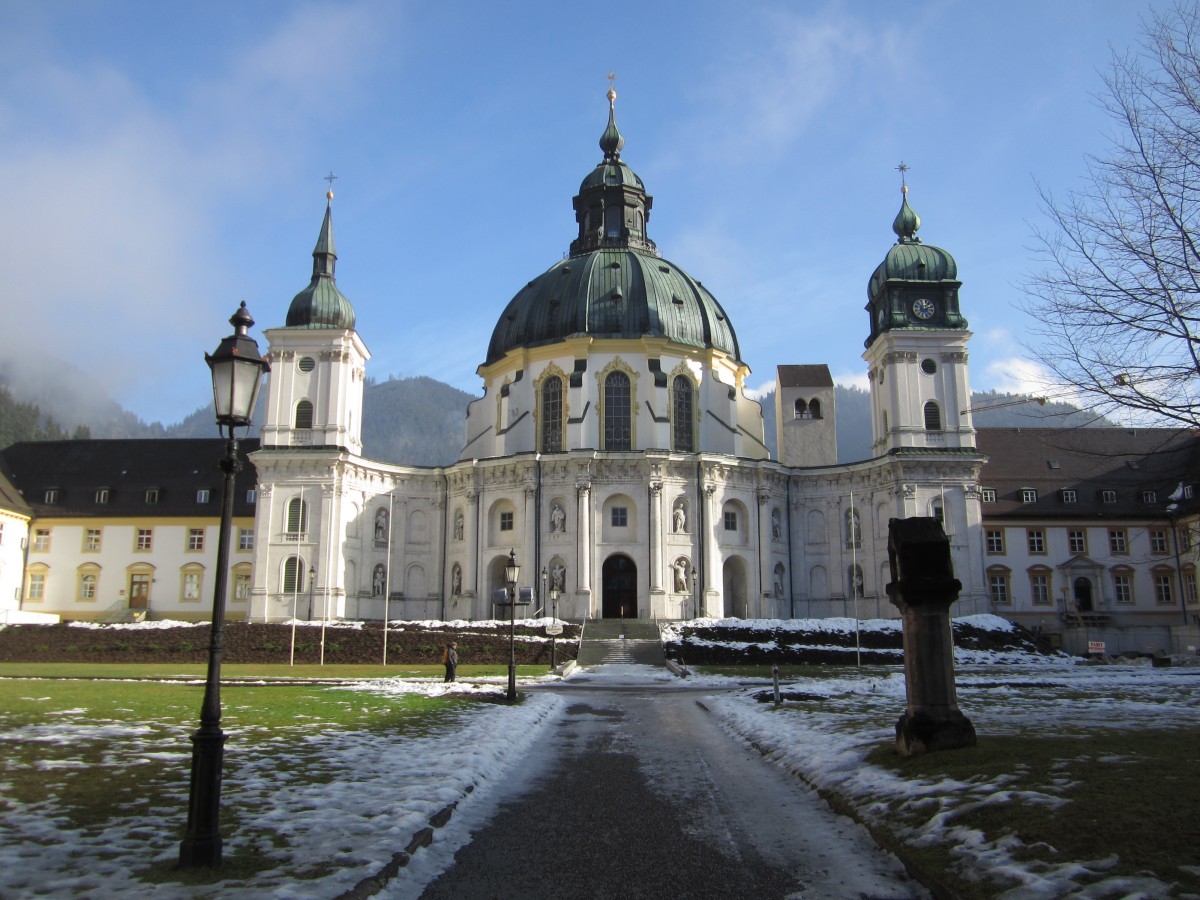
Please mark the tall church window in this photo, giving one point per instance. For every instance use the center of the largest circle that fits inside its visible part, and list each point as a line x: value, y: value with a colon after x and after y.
x: 814, y: 408
x: 618, y: 421
x: 682, y: 423
x: 552, y: 413
x: 304, y: 414
x: 933, y: 417
x: 297, y: 519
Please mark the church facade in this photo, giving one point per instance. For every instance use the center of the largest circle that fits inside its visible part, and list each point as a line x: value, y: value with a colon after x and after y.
x: 614, y: 450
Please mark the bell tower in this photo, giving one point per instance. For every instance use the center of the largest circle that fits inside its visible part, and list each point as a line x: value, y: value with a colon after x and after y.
x: 318, y: 362
x: 917, y: 349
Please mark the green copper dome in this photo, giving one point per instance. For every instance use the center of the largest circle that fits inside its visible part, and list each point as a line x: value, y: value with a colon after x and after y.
x: 321, y: 304
x: 614, y: 284
x: 909, y: 260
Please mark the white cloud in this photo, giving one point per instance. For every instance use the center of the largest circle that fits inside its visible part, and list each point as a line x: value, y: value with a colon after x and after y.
x: 115, y: 243
x: 853, y: 379
x: 762, y: 390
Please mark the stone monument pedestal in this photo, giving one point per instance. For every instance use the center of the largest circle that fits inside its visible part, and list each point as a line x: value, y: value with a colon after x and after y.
x: 924, y: 587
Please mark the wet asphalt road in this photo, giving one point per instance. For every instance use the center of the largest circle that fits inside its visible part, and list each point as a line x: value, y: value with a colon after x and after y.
x: 637, y: 792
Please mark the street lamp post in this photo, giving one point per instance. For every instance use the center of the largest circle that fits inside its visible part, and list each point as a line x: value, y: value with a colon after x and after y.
x: 237, y: 370
x: 695, y: 597
x: 545, y: 581
x: 512, y: 571
x: 554, y: 637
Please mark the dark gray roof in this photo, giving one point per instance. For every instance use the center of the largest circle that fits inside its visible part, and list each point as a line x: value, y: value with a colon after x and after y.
x: 128, y: 469
x: 804, y: 376
x: 1087, y: 461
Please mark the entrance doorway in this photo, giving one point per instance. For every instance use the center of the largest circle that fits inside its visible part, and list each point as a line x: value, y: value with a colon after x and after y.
x: 734, y: 594
x: 139, y: 591
x: 1083, y: 595
x: 620, y: 588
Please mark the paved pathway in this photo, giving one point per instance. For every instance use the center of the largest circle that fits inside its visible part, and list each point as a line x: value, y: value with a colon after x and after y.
x: 637, y: 792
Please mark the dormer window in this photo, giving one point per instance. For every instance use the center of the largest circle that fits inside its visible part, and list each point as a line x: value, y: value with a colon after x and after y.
x: 202, y: 495
x: 51, y: 495
x: 151, y: 495
x: 102, y: 495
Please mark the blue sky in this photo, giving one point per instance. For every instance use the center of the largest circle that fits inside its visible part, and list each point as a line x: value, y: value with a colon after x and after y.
x: 163, y: 161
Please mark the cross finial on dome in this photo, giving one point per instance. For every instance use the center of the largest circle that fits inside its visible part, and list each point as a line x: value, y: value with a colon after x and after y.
x: 611, y: 141
x: 907, y: 222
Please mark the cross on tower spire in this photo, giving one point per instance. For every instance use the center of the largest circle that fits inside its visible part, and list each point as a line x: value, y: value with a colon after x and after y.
x: 331, y: 178
x: 902, y: 168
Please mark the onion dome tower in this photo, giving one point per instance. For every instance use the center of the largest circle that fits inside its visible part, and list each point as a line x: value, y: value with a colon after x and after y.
x: 318, y: 362
x: 614, y: 347
x: 916, y: 349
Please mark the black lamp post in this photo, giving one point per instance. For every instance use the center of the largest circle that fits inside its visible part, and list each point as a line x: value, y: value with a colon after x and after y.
x: 695, y: 597
x: 545, y: 581
x: 237, y: 370
x: 554, y: 637
x: 512, y: 571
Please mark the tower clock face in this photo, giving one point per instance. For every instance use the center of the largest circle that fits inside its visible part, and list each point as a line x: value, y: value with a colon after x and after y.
x: 923, y: 309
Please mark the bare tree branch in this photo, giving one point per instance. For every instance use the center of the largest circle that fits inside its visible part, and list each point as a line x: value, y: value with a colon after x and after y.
x: 1118, y: 302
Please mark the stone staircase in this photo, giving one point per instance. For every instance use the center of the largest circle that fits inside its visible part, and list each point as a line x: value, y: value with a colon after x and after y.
x: 622, y: 642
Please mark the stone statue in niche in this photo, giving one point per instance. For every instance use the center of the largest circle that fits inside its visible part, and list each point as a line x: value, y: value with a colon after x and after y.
x: 377, y: 581
x: 779, y: 582
x: 679, y: 519
x: 381, y: 524
x: 681, y: 567
x: 558, y: 576
x: 458, y: 525
x: 776, y: 526
x: 558, y: 520
x: 456, y: 581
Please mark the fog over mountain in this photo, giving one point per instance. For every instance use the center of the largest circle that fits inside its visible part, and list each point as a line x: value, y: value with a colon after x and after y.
x: 415, y: 420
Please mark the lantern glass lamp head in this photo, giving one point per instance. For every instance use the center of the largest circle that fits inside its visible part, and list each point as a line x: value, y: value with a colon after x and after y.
x: 237, y: 371
x: 512, y: 571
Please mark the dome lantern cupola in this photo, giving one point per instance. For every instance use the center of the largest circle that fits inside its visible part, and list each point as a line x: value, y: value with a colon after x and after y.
x: 612, y: 206
x: 321, y: 304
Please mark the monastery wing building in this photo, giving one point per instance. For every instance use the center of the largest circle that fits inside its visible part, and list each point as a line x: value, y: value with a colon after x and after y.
x: 615, y: 451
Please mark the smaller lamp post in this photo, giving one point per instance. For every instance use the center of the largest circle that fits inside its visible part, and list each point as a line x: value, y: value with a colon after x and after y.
x: 312, y: 589
x: 237, y: 370
x: 545, y: 581
x: 554, y: 637
x: 512, y: 572
x: 695, y: 597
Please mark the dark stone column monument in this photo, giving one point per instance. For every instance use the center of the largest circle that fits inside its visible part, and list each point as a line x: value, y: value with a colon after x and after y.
x: 924, y: 587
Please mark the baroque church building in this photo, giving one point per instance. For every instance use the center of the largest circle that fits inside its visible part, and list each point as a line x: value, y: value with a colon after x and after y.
x: 615, y: 451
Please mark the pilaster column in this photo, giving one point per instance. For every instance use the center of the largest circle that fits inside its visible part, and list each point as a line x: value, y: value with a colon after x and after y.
x: 583, y: 551
x: 764, y: 543
x: 712, y: 554
x: 471, y: 536
x: 656, y: 541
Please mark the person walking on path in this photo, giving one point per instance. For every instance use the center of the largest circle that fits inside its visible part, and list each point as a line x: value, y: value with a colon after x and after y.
x: 450, y: 658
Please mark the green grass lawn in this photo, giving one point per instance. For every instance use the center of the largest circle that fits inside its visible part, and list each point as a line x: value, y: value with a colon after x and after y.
x: 199, y: 670
x: 1129, y: 795
x: 86, y: 751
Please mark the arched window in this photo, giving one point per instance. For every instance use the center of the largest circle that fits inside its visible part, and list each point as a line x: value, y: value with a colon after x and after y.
x: 800, y: 409
x: 618, y: 422
x: 933, y: 417
x: 682, y: 423
x: 293, y: 575
x: 304, y: 414
x: 814, y: 408
x: 297, y: 518
x: 552, y: 414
